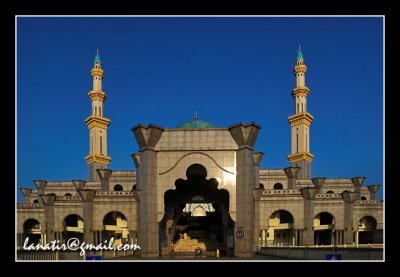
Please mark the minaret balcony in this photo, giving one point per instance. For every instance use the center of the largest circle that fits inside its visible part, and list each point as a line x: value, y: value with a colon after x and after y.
x: 97, y: 121
x: 97, y: 72
x: 300, y: 118
x: 300, y: 91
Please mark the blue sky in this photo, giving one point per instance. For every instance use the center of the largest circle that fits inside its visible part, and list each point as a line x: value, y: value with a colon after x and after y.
x: 229, y: 69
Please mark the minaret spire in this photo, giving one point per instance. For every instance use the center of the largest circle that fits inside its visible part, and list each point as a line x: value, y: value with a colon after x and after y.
x: 97, y: 123
x: 300, y: 122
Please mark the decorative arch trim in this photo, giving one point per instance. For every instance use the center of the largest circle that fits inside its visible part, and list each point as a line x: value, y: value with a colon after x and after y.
x: 192, y: 153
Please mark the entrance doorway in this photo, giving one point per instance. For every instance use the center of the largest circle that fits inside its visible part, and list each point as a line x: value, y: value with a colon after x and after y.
x: 196, y: 216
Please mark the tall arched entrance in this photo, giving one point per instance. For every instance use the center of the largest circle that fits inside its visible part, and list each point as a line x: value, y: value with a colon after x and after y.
x: 324, y: 226
x: 196, y: 216
x: 366, y: 230
x: 115, y: 226
x: 32, y: 231
x: 280, y: 231
x: 73, y: 227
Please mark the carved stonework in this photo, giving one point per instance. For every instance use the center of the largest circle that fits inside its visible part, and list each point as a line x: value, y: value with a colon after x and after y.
x: 40, y: 184
x: 87, y: 195
x: 258, y: 157
x: 148, y: 136
x: 136, y: 159
x: 48, y: 199
x: 318, y: 182
x: 373, y: 188
x: 349, y: 196
x: 292, y: 171
x: 257, y: 193
x: 358, y: 181
x: 79, y: 184
x: 309, y: 193
x: 104, y: 174
x: 245, y: 135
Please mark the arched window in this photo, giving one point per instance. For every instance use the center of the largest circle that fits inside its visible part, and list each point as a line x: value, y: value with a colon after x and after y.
x: 329, y: 192
x: 363, y: 198
x: 36, y: 201
x: 118, y: 187
x: 278, y: 186
x: 68, y: 194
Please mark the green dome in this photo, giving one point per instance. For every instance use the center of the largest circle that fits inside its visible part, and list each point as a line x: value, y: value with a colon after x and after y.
x: 196, y: 123
x: 300, y: 55
x: 97, y: 59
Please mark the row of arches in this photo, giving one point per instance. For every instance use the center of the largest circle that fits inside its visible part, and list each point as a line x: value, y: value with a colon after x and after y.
x: 115, y: 225
x: 281, y: 230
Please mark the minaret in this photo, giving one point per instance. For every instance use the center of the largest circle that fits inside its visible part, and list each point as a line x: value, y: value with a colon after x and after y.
x: 300, y: 122
x: 97, y: 124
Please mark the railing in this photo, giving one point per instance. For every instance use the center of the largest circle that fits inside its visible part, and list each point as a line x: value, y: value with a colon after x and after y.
x: 328, y: 196
x: 76, y: 198
x: 71, y: 255
x: 114, y: 193
x: 29, y: 205
x: 366, y: 252
x: 368, y: 202
x: 282, y: 191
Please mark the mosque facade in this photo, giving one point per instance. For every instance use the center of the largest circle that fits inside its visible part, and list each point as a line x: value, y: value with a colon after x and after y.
x: 201, y: 186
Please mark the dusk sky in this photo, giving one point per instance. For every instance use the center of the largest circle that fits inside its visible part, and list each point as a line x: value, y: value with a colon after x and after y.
x: 230, y: 69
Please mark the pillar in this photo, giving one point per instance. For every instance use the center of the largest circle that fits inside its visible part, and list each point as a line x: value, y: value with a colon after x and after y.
x: 257, y: 195
x: 263, y: 240
x: 27, y: 194
x: 245, y: 136
x: 348, y: 199
x: 48, y: 200
x: 104, y: 176
x: 309, y: 195
x: 78, y: 184
x: 291, y: 173
x: 357, y: 183
x: 372, y: 191
x: 87, y: 196
x: 41, y: 186
x: 147, y: 138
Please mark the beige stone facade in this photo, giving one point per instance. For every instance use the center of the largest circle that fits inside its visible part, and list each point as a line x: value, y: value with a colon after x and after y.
x: 197, y: 166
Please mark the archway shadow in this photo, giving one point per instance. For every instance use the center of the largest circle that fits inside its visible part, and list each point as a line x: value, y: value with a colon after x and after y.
x: 196, y: 215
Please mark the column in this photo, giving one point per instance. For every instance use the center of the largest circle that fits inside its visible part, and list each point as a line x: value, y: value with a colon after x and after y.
x: 27, y: 194
x: 147, y: 138
x: 48, y: 200
x: 104, y: 175
x: 357, y: 236
x: 263, y: 237
x: 348, y: 198
x: 257, y: 193
x: 245, y: 136
x: 309, y: 195
x: 357, y: 183
x: 41, y: 186
x: 291, y: 173
x: 87, y: 196
x: 372, y: 191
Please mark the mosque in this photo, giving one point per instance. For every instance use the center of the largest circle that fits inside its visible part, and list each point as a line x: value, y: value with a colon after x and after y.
x: 201, y: 186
